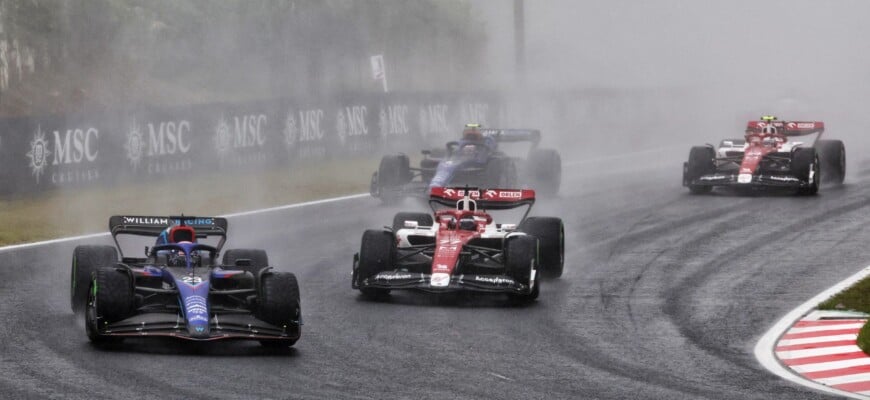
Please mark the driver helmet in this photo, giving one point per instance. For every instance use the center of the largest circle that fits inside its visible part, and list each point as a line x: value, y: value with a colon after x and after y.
x: 472, y: 133
x: 175, y: 234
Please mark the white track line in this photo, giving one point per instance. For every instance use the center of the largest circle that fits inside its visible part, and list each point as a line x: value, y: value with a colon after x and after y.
x: 764, y: 349
x: 823, y: 328
x: 839, y: 380
x: 822, y: 351
x: 827, y: 366
x: 239, y: 214
x: 815, y: 340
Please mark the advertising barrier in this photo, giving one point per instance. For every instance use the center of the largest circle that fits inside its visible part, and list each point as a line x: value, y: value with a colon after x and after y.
x: 109, y: 148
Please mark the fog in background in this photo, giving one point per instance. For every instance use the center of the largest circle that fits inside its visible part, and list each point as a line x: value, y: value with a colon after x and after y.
x: 718, y: 63
x: 61, y: 56
x: 601, y: 78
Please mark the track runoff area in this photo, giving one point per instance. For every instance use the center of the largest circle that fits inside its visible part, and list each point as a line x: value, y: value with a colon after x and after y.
x: 817, y: 349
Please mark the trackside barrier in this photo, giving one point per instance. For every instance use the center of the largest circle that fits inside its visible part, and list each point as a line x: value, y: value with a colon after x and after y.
x: 113, y: 148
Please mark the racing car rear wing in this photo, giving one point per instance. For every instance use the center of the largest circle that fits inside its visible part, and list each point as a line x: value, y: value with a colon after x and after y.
x: 152, y: 226
x: 486, y: 199
x: 513, y: 135
x: 788, y: 128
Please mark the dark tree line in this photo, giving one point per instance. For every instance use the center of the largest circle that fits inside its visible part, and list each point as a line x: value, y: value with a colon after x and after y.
x: 102, y: 52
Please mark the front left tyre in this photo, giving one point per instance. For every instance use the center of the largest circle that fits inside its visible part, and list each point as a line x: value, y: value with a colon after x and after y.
x: 377, y: 254
x: 87, y: 259
x: 110, y: 299
x: 700, y: 163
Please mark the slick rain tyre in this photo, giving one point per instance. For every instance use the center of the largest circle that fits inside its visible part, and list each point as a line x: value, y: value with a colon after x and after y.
x: 500, y: 173
x: 258, y: 258
x: 521, y: 254
x: 394, y: 171
x: 551, y: 236
x: 832, y: 156
x: 700, y: 163
x: 377, y: 254
x: 279, y: 303
x: 545, y: 171
x: 87, y: 259
x: 805, y: 166
x: 422, y: 219
x: 110, y: 299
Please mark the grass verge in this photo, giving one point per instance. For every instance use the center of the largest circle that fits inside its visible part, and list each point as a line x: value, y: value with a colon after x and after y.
x: 60, y: 213
x: 864, y: 338
x: 856, y: 298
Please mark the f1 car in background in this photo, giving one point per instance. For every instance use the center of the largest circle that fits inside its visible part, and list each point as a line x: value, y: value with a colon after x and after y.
x: 474, y: 160
x: 462, y: 248
x: 768, y: 157
x: 178, y: 289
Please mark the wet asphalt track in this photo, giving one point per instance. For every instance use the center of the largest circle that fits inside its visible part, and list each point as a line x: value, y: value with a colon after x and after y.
x: 664, y: 297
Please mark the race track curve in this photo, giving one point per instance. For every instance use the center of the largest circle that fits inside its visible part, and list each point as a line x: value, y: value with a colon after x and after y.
x: 664, y: 296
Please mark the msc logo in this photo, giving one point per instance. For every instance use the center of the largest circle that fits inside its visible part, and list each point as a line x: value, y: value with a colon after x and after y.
x: 246, y: 131
x: 164, y: 138
x: 75, y: 146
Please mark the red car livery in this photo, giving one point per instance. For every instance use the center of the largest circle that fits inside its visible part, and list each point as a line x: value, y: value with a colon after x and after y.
x: 461, y: 248
x: 769, y: 155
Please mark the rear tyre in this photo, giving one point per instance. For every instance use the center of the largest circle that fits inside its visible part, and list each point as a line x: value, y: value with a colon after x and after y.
x: 520, y: 261
x: 278, y: 303
x: 700, y: 163
x: 805, y: 166
x: 394, y: 171
x: 551, y: 236
x: 832, y: 156
x: 257, y: 258
x: 500, y: 172
x: 110, y: 299
x: 422, y: 219
x: 377, y: 254
x: 87, y: 259
x: 428, y: 165
x: 545, y: 171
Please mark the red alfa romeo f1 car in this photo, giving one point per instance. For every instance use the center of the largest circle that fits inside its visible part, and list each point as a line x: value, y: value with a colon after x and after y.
x: 462, y: 248
x: 768, y: 157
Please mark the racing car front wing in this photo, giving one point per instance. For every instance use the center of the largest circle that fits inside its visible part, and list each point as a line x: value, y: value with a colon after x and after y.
x: 746, y: 180
x: 240, y: 326
x: 423, y: 282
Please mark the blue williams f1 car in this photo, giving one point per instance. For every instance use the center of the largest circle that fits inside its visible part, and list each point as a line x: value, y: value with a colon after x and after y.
x: 180, y: 290
x: 474, y: 160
